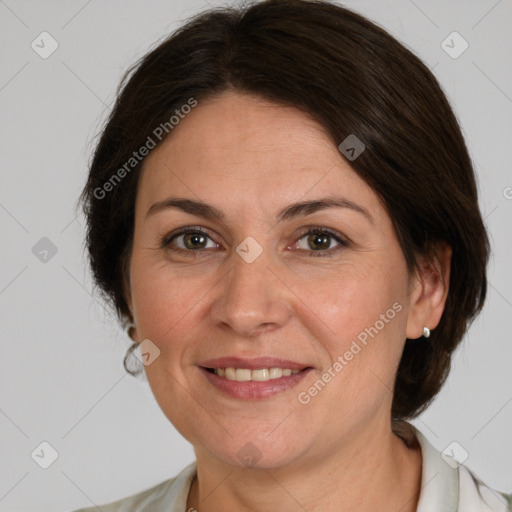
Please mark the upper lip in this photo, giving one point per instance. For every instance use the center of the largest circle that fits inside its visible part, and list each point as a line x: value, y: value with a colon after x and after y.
x: 252, y: 363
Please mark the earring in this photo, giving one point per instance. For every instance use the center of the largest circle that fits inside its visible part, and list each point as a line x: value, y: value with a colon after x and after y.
x: 426, y: 332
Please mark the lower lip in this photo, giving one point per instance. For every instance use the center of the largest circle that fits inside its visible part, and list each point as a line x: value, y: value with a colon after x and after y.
x: 251, y: 389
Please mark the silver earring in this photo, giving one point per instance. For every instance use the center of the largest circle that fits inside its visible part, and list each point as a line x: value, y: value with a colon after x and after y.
x: 426, y: 332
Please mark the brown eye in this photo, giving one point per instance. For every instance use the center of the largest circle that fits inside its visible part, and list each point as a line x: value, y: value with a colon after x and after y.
x: 318, y: 242
x: 187, y: 240
x: 194, y: 240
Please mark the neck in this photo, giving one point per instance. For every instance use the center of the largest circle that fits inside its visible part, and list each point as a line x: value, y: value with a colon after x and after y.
x: 372, y: 471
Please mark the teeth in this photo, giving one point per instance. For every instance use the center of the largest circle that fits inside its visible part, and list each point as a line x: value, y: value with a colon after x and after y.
x: 245, y: 374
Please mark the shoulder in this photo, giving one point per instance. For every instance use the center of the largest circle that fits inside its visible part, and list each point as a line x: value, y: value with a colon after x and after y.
x: 170, y: 494
x: 447, y: 485
x: 135, y: 502
x: 475, y: 496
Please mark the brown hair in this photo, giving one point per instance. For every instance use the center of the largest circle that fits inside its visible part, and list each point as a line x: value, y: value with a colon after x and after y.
x: 353, y: 78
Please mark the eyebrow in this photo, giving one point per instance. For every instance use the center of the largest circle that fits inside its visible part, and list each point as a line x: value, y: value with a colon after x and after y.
x: 207, y: 211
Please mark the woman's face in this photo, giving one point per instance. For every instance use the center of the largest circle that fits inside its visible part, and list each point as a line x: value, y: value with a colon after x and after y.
x: 337, y: 307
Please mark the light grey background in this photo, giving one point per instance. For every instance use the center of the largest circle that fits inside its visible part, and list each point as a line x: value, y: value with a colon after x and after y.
x: 62, y: 379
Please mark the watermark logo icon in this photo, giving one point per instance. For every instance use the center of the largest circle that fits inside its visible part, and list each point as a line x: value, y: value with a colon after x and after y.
x: 249, y: 249
x: 249, y: 455
x: 147, y: 352
x: 454, y: 45
x: 44, y: 455
x: 454, y: 454
x: 351, y: 147
x: 44, y: 45
x: 44, y: 250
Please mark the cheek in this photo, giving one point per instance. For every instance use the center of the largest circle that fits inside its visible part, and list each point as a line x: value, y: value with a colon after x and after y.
x: 166, y: 306
x: 353, y: 298
x: 163, y: 299
x: 361, y: 319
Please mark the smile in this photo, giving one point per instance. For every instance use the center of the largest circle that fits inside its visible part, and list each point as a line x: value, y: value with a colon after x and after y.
x: 252, y: 384
x: 246, y: 374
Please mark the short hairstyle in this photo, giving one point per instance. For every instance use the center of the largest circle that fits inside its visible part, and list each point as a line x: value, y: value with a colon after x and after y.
x: 352, y: 77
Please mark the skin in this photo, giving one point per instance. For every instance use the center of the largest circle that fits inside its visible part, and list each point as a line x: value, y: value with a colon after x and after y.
x: 251, y: 158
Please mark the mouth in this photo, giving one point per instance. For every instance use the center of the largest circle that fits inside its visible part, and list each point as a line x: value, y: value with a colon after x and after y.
x: 252, y: 379
x: 258, y: 375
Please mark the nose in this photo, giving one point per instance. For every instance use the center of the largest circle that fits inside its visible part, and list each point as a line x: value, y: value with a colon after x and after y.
x: 252, y: 297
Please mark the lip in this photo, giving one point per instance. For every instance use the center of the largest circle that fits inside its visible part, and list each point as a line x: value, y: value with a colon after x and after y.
x: 254, y: 390
x: 255, y: 363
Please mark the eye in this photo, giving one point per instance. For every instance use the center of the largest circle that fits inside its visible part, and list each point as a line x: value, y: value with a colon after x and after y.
x: 320, y: 239
x: 187, y: 240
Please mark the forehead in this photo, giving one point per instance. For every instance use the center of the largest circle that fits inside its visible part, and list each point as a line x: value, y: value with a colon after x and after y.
x: 241, y: 148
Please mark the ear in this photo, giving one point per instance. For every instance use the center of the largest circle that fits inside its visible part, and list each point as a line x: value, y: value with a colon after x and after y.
x: 428, y: 292
x: 133, y: 334
x: 131, y: 328
x: 130, y: 321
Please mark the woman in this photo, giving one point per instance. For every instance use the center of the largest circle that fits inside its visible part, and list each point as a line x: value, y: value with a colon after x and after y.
x: 282, y: 209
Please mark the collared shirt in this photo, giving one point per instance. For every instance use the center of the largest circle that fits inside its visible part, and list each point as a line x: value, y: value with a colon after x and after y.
x: 445, y: 487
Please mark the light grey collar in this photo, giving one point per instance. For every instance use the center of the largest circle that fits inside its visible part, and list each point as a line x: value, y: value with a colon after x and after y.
x: 439, y: 481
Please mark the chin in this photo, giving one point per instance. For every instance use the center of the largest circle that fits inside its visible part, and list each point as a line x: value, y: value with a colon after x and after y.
x: 255, y: 452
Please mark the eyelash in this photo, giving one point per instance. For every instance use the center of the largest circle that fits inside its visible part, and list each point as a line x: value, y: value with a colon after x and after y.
x: 317, y: 230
